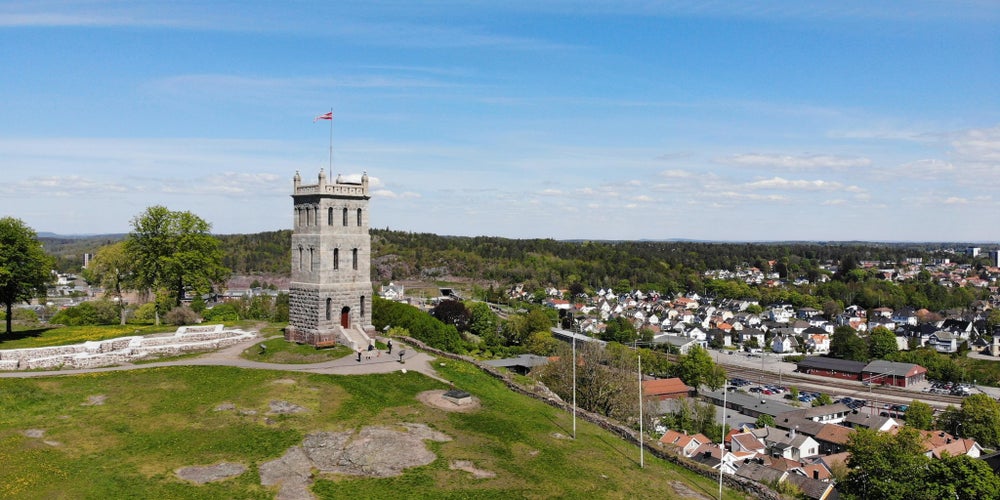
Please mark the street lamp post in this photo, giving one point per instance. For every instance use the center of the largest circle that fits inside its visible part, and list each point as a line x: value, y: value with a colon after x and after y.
x: 722, y: 444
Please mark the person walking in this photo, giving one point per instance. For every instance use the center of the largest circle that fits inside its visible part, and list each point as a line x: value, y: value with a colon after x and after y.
x: 389, y: 344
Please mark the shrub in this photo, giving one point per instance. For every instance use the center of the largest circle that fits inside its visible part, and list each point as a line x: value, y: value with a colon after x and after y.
x: 180, y: 316
x: 23, y: 315
x: 145, y: 313
x: 222, y: 312
x: 97, y: 312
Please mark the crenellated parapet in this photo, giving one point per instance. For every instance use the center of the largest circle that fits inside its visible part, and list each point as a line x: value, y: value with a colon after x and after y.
x: 339, y: 187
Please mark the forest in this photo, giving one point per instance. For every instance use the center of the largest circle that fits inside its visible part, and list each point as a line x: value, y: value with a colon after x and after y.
x: 667, y: 267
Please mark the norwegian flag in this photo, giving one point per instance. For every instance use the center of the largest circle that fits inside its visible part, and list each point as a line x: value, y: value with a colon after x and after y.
x: 324, y: 116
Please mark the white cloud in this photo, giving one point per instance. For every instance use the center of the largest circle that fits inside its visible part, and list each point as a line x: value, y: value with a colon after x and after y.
x: 786, y: 184
x: 385, y: 193
x: 979, y: 146
x: 802, y: 161
x: 677, y: 174
x: 955, y: 200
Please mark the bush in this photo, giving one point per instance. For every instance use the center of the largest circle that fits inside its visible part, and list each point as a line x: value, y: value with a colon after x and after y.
x: 181, y: 316
x: 222, y: 312
x: 145, y: 313
x: 23, y: 315
x: 97, y: 312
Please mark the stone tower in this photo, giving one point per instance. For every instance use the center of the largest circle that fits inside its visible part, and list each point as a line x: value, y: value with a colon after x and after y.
x: 330, y: 295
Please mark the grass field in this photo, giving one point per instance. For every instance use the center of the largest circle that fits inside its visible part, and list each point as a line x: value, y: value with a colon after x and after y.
x: 65, y: 335
x: 153, y: 421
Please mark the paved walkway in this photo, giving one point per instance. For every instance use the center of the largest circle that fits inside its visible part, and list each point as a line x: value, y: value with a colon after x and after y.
x: 413, y: 360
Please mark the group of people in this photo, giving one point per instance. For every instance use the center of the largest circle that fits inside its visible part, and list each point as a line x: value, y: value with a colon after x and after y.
x: 371, y: 350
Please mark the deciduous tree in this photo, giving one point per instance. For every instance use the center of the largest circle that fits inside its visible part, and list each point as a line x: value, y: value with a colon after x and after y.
x: 24, y: 266
x: 881, y: 343
x: 174, y: 252
x: 696, y: 368
x: 846, y: 344
x: 920, y: 415
x: 112, y: 269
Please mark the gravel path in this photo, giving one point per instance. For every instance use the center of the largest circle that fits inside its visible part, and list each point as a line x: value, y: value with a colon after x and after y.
x: 230, y: 356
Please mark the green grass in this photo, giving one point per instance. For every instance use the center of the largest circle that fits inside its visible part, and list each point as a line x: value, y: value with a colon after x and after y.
x: 278, y: 350
x: 66, y: 335
x: 159, y: 419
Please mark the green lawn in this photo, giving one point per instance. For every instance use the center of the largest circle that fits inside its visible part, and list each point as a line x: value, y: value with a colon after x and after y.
x: 66, y: 335
x: 278, y: 350
x: 156, y: 420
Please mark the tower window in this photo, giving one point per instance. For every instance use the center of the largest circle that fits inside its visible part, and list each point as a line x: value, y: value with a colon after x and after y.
x: 345, y: 216
x: 354, y: 258
x: 359, y: 217
x: 312, y: 261
x: 329, y: 216
x: 329, y: 309
x: 336, y: 259
x: 300, y: 258
x: 362, y: 307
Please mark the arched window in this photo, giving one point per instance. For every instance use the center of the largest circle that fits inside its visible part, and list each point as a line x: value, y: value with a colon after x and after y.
x: 312, y: 261
x: 359, y: 217
x: 309, y: 216
x: 362, y: 307
x: 354, y: 258
x: 298, y: 212
x: 329, y: 309
x: 300, y: 258
x: 336, y: 259
x: 329, y: 216
x: 345, y: 216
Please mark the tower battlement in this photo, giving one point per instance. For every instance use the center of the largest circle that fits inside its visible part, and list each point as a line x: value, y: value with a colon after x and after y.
x: 339, y: 188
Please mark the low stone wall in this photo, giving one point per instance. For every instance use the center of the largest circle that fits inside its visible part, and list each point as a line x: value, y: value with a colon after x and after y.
x: 747, y: 486
x: 122, y: 350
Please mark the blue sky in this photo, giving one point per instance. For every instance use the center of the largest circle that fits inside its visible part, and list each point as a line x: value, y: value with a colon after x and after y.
x: 743, y: 120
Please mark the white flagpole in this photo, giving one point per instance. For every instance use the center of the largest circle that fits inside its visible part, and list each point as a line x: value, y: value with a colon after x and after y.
x: 642, y: 451
x: 331, y: 141
x: 574, y: 386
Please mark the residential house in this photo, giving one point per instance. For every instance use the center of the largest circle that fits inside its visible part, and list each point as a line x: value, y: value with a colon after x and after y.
x: 746, y: 334
x: 715, y: 456
x: 392, y: 291
x: 944, y: 341
x: 905, y: 316
x: 832, y: 438
x: 682, y: 344
x: 685, y: 444
x: 787, y: 444
x: 746, y: 441
x: 818, y: 343
x: 868, y: 421
x: 937, y: 443
x: 784, y: 344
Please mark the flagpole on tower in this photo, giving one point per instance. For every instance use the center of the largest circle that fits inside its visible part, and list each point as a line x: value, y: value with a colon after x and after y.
x: 331, y: 141
x: 328, y: 116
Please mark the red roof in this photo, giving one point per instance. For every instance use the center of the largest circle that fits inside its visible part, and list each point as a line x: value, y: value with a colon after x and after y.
x: 664, y: 386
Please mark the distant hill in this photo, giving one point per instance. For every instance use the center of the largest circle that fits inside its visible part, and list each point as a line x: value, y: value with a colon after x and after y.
x: 664, y: 265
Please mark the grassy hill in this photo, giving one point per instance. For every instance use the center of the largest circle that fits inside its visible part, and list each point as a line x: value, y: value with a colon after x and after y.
x: 123, y: 434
